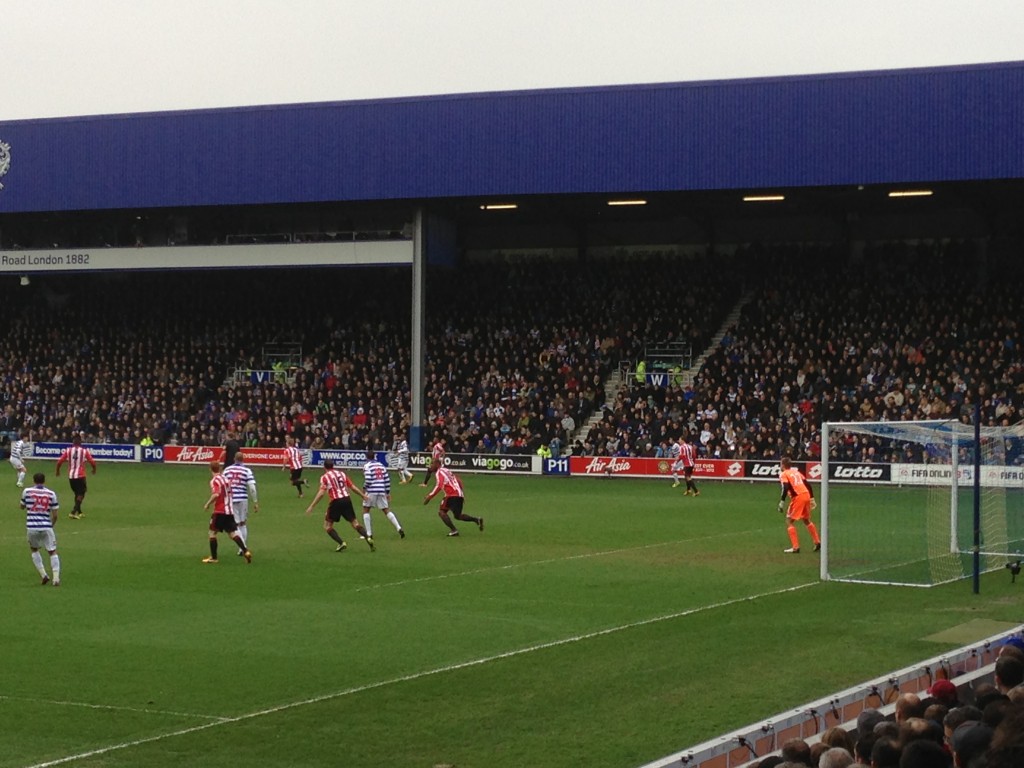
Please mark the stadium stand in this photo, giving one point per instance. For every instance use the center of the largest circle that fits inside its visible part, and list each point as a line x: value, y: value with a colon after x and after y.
x: 514, y: 348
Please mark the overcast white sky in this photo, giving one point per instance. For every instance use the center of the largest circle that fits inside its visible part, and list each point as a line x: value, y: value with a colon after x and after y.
x: 84, y: 57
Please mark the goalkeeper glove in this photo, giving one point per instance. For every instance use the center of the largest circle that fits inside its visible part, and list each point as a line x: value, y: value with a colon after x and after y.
x: 814, y: 504
x: 782, y: 505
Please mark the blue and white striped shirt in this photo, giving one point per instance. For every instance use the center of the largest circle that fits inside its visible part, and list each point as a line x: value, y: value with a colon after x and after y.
x: 38, y: 501
x: 376, y: 477
x: 242, y: 480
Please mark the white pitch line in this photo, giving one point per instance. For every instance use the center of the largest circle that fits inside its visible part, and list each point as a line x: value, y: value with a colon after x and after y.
x: 510, y: 566
x: 87, y: 705
x: 419, y: 676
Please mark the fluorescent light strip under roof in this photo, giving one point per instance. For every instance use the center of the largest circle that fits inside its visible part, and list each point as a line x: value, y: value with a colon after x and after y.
x: 499, y: 207
x: 627, y: 202
x: 763, y: 198
x: 911, y: 193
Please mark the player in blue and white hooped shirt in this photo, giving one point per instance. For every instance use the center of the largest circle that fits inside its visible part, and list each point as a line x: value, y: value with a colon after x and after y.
x: 377, y: 490
x: 40, y: 505
x: 243, y: 485
x: 400, y: 448
x: 18, y: 450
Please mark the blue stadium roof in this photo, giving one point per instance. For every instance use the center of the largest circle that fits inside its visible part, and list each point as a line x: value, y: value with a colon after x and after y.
x: 922, y: 125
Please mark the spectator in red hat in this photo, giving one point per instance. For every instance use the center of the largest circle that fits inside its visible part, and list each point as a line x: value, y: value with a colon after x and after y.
x: 944, y: 692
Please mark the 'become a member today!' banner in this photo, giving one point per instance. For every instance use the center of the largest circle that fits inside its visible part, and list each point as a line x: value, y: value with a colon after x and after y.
x: 99, y: 451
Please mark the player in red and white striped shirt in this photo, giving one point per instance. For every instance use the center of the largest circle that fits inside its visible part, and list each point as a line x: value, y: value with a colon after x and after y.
x: 436, y: 460
x: 454, y: 498
x: 76, y: 456
x: 688, y: 458
x: 293, y: 462
x: 223, y: 519
x: 337, y: 485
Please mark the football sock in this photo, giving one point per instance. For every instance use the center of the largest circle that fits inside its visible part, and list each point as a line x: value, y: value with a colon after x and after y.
x: 814, y: 533
x: 55, y: 566
x: 791, y: 530
x: 335, y: 535
x: 240, y: 542
x: 37, y: 561
x: 691, y: 486
x: 360, y: 530
x: 394, y: 521
x: 213, y: 548
x: 468, y: 518
x: 367, y: 524
x: 243, y: 533
x: 446, y: 520
x: 21, y: 478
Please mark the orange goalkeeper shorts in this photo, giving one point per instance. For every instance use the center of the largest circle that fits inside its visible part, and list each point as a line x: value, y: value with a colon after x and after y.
x: 799, y: 508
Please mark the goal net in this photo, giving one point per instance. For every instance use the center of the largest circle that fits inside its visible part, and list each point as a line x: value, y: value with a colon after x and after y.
x: 920, y: 503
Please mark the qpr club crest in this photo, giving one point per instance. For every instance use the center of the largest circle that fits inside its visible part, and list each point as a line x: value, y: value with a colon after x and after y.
x: 5, y: 160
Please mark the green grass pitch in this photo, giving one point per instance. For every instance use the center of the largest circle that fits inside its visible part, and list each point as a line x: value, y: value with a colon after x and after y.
x: 603, y: 622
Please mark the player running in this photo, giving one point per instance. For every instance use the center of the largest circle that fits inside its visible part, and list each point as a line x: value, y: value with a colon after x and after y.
x: 377, y: 493
x: 400, y: 448
x: 337, y: 485
x: 293, y: 463
x: 436, y: 460
x: 453, y: 501
x: 18, y: 450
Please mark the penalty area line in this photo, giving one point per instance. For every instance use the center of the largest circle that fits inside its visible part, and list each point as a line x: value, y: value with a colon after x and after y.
x: 111, y: 707
x: 420, y: 675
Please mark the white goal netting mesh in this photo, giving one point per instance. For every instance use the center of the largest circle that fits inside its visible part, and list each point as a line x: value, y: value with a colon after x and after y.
x: 899, y: 501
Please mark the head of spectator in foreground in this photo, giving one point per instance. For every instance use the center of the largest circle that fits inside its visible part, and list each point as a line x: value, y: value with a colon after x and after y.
x: 818, y: 748
x: 837, y: 736
x: 944, y: 692
x: 908, y: 705
x: 885, y: 753
x: 1009, y: 673
x: 936, y: 712
x: 924, y: 754
x: 970, y: 742
x: 796, y: 751
x: 919, y: 729
x: 867, y: 720
x: 887, y: 728
x: 862, y: 749
x: 1007, y: 747
x: 956, y: 717
x: 835, y: 757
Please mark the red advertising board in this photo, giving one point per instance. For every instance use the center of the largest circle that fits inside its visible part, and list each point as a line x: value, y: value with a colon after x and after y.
x: 645, y: 467
x: 724, y: 469
x: 203, y: 454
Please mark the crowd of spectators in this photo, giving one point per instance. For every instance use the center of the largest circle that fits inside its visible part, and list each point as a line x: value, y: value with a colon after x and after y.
x: 896, y: 333
x: 517, y: 353
x: 937, y: 730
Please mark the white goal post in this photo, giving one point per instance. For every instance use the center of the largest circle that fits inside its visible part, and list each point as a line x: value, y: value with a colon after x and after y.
x: 920, y: 503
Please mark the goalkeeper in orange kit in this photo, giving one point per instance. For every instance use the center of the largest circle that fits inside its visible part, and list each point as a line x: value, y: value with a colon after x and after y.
x: 801, y: 502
